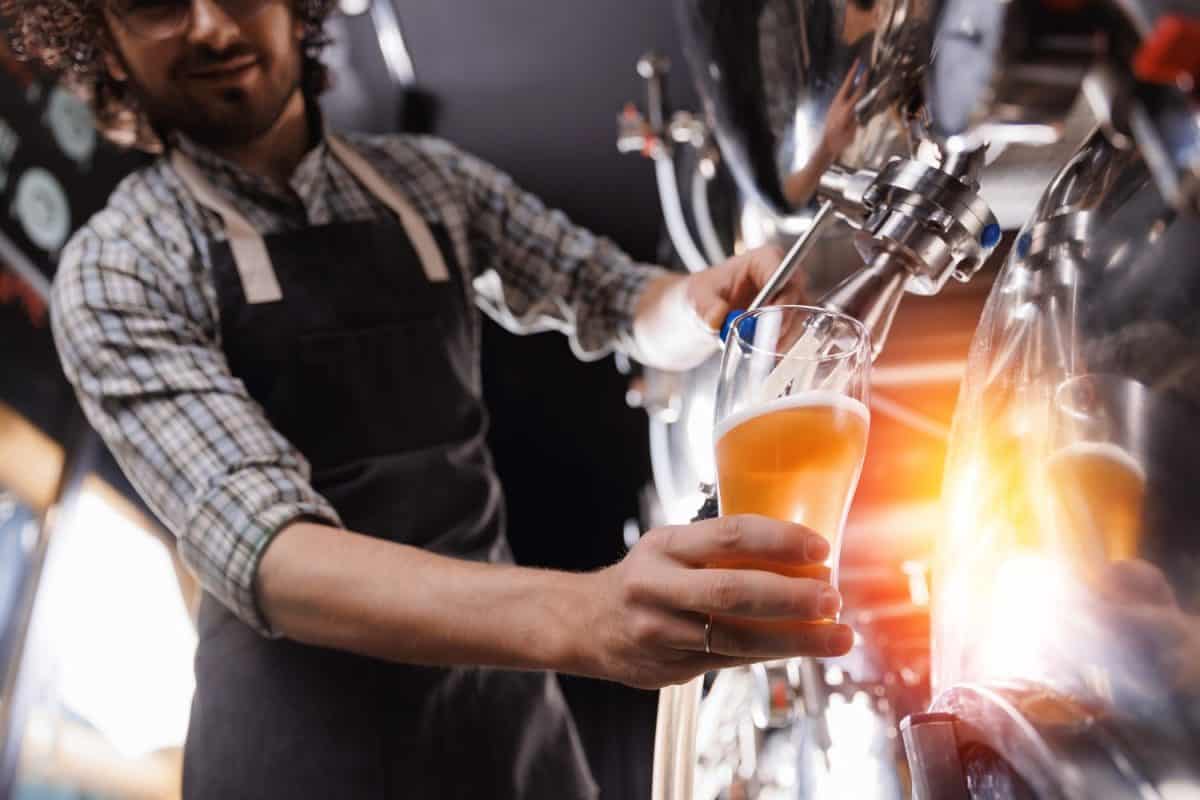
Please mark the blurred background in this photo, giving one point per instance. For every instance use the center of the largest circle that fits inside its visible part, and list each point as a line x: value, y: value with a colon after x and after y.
x: 101, y: 686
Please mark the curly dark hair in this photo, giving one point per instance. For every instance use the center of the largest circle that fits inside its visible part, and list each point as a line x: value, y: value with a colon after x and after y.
x: 67, y: 36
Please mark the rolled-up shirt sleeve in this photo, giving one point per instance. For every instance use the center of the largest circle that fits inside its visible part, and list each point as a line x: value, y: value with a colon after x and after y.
x: 536, y: 270
x: 143, y: 355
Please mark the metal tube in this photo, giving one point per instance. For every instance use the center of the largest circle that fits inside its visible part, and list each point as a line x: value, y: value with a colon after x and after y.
x: 872, y: 296
x: 391, y: 43
x: 932, y: 750
x: 795, y: 257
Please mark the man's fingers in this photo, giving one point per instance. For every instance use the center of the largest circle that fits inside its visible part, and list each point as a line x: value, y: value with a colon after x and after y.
x: 826, y: 640
x: 761, y: 641
x: 743, y: 539
x: 749, y: 593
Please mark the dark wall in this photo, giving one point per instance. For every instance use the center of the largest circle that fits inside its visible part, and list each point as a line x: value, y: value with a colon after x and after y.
x: 535, y: 87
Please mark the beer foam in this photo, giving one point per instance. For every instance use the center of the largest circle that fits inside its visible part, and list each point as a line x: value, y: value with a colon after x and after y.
x: 1107, y: 450
x: 815, y: 397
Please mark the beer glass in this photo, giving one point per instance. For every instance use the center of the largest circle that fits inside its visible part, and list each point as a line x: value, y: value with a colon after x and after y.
x: 792, y: 421
x: 1095, y: 473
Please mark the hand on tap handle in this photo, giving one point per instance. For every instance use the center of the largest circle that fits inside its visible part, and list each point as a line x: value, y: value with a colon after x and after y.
x: 679, y: 317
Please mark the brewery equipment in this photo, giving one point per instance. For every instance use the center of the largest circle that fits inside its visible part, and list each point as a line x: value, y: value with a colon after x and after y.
x: 925, y: 128
x: 1066, y: 628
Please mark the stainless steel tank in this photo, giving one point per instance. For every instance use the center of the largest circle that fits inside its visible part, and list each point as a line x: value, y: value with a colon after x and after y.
x: 817, y: 102
x: 1067, y: 604
x: 792, y: 85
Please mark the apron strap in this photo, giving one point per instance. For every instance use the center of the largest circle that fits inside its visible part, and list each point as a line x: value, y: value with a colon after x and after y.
x: 414, y: 224
x: 250, y: 251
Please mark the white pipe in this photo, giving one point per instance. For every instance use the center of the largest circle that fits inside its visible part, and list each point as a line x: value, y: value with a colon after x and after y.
x: 664, y: 743
x: 675, y: 741
x: 704, y: 223
x: 685, y: 737
x: 677, y: 229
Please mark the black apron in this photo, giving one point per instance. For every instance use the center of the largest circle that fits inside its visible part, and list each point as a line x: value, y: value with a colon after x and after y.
x: 362, y: 347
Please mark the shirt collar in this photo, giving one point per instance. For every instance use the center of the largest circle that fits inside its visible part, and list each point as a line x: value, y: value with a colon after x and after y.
x: 231, y: 177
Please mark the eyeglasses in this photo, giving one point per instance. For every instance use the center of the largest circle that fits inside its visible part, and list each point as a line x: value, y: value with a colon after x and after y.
x: 162, y: 19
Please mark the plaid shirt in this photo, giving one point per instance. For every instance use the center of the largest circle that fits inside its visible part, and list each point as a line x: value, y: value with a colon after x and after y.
x: 135, y: 318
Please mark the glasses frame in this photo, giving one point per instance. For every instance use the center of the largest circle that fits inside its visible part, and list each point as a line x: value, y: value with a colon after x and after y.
x: 186, y: 8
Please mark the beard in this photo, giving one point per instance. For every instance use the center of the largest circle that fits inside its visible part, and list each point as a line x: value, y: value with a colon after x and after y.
x: 220, y: 117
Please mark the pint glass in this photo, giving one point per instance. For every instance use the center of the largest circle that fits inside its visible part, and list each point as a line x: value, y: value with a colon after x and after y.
x: 1095, y: 474
x: 792, y: 421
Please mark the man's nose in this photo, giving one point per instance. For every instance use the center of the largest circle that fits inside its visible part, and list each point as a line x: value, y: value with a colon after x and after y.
x: 212, y: 26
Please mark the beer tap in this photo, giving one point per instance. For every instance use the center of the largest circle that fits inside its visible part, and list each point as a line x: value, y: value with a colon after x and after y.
x: 919, y: 224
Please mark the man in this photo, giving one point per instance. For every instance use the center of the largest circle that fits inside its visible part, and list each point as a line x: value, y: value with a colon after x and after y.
x: 273, y: 327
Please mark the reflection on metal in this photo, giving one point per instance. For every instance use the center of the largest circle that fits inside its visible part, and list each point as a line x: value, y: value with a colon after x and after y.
x: 932, y: 752
x: 1048, y: 746
x: 14, y: 701
x: 391, y: 43
x: 770, y: 74
x: 1006, y: 72
x: 1066, y: 612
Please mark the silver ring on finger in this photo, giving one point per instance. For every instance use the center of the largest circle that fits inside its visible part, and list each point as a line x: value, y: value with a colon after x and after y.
x: 708, y: 635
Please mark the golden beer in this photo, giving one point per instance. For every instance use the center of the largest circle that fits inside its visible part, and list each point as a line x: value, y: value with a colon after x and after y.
x: 796, y: 458
x: 1099, y: 491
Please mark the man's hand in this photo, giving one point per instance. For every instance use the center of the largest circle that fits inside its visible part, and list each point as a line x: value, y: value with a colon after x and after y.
x: 643, y: 620
x: 679, y: 317
x: 640, y: 622
x: 1143, y: 612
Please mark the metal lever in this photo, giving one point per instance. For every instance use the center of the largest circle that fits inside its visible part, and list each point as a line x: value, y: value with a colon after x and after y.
x: 795, y: 257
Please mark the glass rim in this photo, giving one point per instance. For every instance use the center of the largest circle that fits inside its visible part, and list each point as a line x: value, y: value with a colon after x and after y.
x: 864, y: 335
